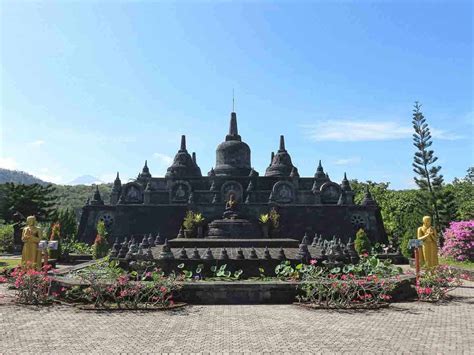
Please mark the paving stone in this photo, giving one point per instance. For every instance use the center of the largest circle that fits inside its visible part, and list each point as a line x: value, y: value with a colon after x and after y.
x: 404, y: 328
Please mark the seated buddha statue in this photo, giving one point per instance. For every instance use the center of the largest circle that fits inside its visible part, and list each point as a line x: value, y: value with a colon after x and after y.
x: 230, y: 208
x: 31, y: 236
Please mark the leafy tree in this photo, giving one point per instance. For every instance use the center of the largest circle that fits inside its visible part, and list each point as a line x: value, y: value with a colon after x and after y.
x: 463, y: 191
x: 27, y: 200
x: 432, y: 199
x: 67, y: 220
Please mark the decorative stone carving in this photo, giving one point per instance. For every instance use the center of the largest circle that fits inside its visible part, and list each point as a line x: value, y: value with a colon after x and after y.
x: 132, y: 193
x: 358, y: 221
x: 107, y: 218
x: 283, y: 192
x: 232, y: 187
x: 180, y: 191
x: 330, y: 192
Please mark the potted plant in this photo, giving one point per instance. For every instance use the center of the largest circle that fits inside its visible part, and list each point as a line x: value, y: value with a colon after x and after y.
x: 189, y: 224
x: 264, y: 220
x: 199, y: 222
x: 274, y: 217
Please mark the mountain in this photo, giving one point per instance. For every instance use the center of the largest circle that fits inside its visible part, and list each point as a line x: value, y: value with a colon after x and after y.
x: 19, y: 177
x: 86, y: 180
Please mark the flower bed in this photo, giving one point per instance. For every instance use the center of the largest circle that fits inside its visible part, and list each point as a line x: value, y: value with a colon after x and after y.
x: 102, y: 286
x: 434, y: 285
x: 336, y: 290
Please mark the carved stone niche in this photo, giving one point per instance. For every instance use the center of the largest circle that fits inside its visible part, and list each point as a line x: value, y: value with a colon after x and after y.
x: 283, y: 192
x: 179, y: 192
x: 232, y: 187
x: 330, y: 192
x: 132, y: 193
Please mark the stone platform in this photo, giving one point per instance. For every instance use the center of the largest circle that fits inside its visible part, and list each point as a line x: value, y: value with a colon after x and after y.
x: 233, y: 243
x: 234, y: 228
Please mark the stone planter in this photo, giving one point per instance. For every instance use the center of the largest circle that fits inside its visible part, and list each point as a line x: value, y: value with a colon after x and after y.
x: 188, y: 233
x: 265, y: 230
x: 200, y: 232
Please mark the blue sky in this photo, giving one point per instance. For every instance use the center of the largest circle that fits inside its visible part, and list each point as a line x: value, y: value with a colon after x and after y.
x: 95, y: 87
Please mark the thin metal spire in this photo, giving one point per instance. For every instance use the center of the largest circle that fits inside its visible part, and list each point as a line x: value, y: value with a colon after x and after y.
x: 233, y: 101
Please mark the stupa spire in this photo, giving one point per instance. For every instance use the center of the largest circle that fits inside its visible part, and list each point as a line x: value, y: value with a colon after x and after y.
x: 183, y: 143
x: 282, y: 144
x: 233, y: 130
x: 281, y: 164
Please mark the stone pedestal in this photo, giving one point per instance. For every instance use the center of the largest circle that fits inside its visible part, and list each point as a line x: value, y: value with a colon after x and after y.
x: 233, y: 229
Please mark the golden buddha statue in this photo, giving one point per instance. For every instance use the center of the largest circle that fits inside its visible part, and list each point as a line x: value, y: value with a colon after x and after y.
x: 230, y: 205
x: 31, y: 255
x: 429, y: 250
x: 230, y: 208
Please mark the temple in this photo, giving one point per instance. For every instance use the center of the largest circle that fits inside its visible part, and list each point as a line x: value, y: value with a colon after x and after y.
x: 306, y: 205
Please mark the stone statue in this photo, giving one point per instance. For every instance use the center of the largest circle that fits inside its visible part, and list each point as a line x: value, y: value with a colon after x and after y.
x: 180, y: 193
x: 230, y: 207
x: 429, y: 251
x: 31, y: 255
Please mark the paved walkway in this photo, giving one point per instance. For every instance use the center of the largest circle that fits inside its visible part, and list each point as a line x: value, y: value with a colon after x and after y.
x: 414, y: 327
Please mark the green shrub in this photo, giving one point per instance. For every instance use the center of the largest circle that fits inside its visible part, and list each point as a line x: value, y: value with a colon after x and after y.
x: 6, y: 238
x: 406, y: 252
x: 100, y: 248
x: 362, y: 242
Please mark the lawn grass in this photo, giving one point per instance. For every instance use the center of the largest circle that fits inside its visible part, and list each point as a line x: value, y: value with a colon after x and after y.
x: 469, y: 265
x: 8, y: 263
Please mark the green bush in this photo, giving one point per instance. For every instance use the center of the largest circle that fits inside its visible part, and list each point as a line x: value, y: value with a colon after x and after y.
x: 100, y: 248
x: 362, y: 242
x: 6, y: 238
x: 406, y: 252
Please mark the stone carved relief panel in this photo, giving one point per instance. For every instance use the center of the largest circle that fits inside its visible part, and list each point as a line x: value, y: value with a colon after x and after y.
x: 283, y: 192
x: 133, y: 193
x: 232, y: 187
x: 330, y: 192
x: 180, y: 191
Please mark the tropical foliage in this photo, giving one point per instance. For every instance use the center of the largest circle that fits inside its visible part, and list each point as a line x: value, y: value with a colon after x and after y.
x: 459, y: 241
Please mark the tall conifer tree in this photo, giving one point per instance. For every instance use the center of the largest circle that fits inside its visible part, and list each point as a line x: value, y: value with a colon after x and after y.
x: 433, y: 199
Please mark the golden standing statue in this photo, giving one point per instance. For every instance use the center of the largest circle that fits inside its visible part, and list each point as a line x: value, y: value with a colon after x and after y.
x: 31, y: 236
x: 429, y: 251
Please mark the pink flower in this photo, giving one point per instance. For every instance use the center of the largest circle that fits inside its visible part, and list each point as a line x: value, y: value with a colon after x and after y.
x: 313, y: 261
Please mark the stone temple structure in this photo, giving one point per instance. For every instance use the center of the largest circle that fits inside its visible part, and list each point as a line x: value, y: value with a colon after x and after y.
x: 307, y: 205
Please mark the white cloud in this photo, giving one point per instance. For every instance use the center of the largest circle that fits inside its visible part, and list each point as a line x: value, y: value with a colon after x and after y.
x: 348, y: 161
x: 163, y: 158
x: 357, y: 131
x: 38, y: 143
x: 8, y: 163
x: 440, y: 134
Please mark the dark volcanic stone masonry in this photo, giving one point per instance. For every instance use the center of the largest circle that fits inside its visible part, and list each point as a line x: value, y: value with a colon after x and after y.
x: 151, y: 205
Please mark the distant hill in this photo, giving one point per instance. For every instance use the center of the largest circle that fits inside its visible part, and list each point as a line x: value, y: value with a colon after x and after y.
x: 86, y: 180
x: 76, y: 196
x: 19, y: 177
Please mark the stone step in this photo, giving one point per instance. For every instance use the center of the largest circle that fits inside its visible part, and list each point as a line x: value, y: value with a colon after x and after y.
x: 235, y: 243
